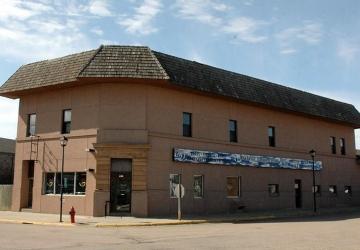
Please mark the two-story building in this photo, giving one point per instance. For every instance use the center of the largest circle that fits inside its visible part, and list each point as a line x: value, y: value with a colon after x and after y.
x: 136, y: 120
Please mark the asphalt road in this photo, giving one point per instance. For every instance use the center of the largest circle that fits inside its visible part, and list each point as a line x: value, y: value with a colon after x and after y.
x: 335, y: 232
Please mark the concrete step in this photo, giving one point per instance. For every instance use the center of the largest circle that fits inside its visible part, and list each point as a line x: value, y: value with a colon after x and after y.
x: 29, y: 210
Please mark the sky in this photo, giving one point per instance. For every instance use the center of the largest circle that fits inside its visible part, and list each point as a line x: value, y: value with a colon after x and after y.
x: 309, y: 45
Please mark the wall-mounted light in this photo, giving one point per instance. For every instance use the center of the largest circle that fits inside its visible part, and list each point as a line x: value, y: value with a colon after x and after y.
x: 91, y: 170
x: 90, y: 150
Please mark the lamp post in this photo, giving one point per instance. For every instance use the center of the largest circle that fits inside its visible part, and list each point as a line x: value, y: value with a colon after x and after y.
x: 63, y: 143
x: 313, y: 153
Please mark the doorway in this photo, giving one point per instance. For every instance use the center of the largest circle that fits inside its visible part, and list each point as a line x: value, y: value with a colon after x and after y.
x: 298, y: 194
x: 120, y: 186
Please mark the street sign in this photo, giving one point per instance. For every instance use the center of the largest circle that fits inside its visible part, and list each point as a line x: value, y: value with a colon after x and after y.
x: 177, y: 191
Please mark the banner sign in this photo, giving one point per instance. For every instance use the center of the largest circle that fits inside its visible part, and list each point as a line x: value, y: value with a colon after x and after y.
x: 220, y: 158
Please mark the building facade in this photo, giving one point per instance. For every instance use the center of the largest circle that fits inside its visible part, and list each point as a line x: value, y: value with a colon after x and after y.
x: 137, y: 120
x: 7, y: 156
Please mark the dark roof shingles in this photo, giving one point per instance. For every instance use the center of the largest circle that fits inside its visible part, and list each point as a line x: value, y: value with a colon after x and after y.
x: 140, y: 62
x: 206, y: 78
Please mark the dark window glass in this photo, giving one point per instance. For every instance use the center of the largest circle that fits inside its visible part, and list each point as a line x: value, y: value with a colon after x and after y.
x: 233, y: 131
x: 31, y: 125
x: 198, y: 186
x: 271, y: 134
x: 342, y: 146
x: 187, y: 125
x: 49, y: 185
x: 273, y: 189
x: 317, y: 190
x: 333, y: 144
x: 66, y: 126
x: 233, y: 186
x: 174, y: 182
x: 347, y: 190
x: 333, y: 189
x: 80, y: 183
x: 68, y: 184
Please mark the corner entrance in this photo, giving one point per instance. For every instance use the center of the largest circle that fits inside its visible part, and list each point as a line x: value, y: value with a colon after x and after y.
x: 120, y: 186
x: 298, y: 194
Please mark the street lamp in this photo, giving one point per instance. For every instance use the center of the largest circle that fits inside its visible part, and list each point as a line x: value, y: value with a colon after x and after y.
x: 313, y: 153
x: 63, y: 143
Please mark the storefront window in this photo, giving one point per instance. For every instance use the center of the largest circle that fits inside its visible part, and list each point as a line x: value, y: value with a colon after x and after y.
x: 198, y: 186
x: 49, y: 185
x: 73, y: 183
x: 233, y: 186
x: 80, y: 183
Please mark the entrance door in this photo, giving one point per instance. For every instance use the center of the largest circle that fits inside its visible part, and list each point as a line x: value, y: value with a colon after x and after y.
x: 298, y: 194
x: 120, y: 186
x: 31, y: 182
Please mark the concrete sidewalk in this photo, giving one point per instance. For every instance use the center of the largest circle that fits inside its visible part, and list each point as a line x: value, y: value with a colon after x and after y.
x: 111, y: 221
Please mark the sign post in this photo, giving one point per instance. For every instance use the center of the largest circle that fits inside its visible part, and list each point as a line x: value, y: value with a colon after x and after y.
x: 179, y: 198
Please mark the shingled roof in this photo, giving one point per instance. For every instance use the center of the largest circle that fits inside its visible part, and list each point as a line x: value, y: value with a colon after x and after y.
x: 141, y: 62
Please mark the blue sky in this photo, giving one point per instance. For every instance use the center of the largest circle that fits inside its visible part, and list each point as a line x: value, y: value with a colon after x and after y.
x: 309, y: 45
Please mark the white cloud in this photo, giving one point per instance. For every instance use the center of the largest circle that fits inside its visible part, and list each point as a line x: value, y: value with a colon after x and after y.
x: 204, y: 11
x: 348, y: 50
x: 8, y: 117
x: 141, y: 22
x: 288, y: 51
x: 309, y: 33
x: 97, y: 31
x: 45, y: 33
x: 245, y: 29
x: 99, y: 8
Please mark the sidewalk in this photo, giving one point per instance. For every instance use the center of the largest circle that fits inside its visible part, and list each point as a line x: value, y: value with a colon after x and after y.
x: 111, y: 221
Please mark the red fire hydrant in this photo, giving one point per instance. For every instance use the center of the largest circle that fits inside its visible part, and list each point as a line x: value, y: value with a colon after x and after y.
x: 72, y: 214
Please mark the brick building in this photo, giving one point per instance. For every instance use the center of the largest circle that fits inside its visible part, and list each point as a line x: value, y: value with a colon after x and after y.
x: 136, y: 119
x: 7, y: 155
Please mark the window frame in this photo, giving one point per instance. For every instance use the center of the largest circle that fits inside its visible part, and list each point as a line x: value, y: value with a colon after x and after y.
x: 348, y: 187
x: 233, y: 137
x: 335, y: 190
x: 272, y: 138
x: 318, y: 191
x: 29, y: 126
x: 333, y: 145
x: 75, y: 193
x: 238, y: 187
x: 202, y: 186
x: 342, y: 146
x: 187, y: 128
x: 65, y: 123
x: 277, y: 190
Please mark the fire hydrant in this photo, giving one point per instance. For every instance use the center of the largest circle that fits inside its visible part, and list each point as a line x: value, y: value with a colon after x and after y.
x: 72, y: 214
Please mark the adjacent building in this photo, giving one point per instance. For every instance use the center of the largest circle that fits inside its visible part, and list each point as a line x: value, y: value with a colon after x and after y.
x: 139, y: 121
x: 7, y: 156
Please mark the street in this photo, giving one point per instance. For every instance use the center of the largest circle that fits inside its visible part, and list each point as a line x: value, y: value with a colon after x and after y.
x: 330, y: 232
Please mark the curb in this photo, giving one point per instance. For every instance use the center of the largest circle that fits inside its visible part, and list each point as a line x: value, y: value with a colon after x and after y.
x: 24, y: 222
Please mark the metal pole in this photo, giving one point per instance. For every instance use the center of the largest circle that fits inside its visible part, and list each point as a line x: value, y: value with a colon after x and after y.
x: 179, y: 199
x: 314, y: 194
x: 61, y: 183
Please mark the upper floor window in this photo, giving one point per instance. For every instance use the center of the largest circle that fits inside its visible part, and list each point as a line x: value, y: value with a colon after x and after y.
x: 342, y: 146
x: 66, y: 122
x: 271, y: 134
x: 187, y: 130
x: 31, y: 125
x: 333, y: 144
x: 233, y: 130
